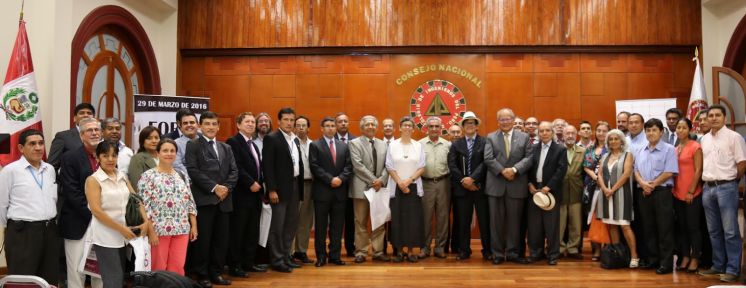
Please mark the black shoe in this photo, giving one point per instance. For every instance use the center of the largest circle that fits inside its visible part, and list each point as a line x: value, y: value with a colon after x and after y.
x: 359, y: 259
x: 320, y: 261
x: 498, y: 260
x: 488, y: 257
x: 644, y: 264
x: 282, y: 268
x: 205, y: 283
x: 552, y: 261
x: 238, y: 272
x: 399, y: 258
x: 302, y: 257
x: 576, y: 256
x: 663, y: 270
x: 381, y: 258
x: 219, y: 280
x: 258, y: 268
x: 292, y: 264
x: 413, y: 258
x: 337, y: 262
x: 440, y: 255
x: 519, y: 260
x: 462, y: 256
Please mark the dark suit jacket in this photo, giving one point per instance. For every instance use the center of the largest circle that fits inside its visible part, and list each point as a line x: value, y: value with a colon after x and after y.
x: 207, y: 170
x: 277, y: 166
x: 247, y: 171
x: 323, y: 170
x: 349, y: 137
x: 63, y: 141
x: 173, y: 135
x: 74, y: 214
x: 457, y: 156
x: 553, y: 172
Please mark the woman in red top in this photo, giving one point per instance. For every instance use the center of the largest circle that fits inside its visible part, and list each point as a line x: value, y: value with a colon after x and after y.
x: 687, y: 200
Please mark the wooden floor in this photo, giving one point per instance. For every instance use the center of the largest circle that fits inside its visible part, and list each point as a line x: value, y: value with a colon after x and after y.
x: 475, y: 272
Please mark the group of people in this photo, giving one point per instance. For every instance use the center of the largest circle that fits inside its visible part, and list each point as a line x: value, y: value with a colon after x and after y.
x: 532, y: 184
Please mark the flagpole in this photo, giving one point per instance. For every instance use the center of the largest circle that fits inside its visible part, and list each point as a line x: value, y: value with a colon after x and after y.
x: 23, y: 2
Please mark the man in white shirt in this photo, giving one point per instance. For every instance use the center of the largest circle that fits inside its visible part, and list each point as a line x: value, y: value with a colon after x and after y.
x: 111, y: 129
x: 306, y: 210
x: 437, y: 199
x: 28, y: 208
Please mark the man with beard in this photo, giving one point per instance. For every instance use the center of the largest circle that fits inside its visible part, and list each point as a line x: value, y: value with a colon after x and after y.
x: 571, y: 216
x: 112, y: 132
x: 621, y: 121
x: 263, y: 127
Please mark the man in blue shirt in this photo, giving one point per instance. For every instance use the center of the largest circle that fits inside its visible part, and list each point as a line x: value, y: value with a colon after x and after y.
x: 655, y: 165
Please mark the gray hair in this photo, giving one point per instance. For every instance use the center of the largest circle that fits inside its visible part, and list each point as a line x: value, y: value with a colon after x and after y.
x: 111, y: 120
x: 368, y: 118
x: 506, y: 110
x: 434, y: 118
x: 85, y: 121
x: 620, y: 134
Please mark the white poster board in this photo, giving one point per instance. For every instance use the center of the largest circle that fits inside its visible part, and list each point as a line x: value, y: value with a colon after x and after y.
x: 160, y: 111
x: 648, y: 108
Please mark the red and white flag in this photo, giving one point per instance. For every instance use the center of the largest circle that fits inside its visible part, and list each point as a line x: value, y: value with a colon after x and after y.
x: 20, y: 99
x: 698, y: 97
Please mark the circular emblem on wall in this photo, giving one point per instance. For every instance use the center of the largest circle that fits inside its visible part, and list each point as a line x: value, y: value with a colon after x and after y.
x: 19, y: 104
x: 439, y: 98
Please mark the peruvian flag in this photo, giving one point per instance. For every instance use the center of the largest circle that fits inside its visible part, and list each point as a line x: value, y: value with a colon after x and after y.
x: 19, y: 100
x: 698, y: 97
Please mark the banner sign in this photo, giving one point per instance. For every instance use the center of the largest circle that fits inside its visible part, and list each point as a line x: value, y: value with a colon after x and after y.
x: 160, y: 111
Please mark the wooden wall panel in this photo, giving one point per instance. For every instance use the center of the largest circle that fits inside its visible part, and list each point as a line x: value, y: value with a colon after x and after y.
x: 388, y: 23
x: 571, y: 86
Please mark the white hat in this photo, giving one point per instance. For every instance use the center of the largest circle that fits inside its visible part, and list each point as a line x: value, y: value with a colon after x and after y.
x: 469, y: 115
x: 544, y: 201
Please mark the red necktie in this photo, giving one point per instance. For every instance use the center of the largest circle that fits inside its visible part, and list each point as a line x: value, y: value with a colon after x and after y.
x: 331, y: 150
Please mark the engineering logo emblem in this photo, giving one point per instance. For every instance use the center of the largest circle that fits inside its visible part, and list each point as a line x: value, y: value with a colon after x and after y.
x: 439, y: 98
x: 20, y: 105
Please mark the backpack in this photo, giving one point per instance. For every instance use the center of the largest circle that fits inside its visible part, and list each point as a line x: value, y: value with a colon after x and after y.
x: 161, y: 279
x: 615, y: 256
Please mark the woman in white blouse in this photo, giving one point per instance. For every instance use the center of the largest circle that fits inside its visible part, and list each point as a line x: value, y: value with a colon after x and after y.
x: 405, y: 162
x: 107, y: 192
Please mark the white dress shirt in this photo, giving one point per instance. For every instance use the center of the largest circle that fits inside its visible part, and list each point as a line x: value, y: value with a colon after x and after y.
x: 305, y: 146
x: 124, y: 157
x: 27, y: 193
x: 290, y: 139
x: 542, y: 157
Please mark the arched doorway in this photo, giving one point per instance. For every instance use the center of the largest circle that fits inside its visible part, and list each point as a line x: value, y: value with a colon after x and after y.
x: 735, y: 55
x: 112, y: 59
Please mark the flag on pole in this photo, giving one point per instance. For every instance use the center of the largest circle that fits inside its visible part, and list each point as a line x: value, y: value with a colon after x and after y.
x: 19, y: 100
x: 698, y: 97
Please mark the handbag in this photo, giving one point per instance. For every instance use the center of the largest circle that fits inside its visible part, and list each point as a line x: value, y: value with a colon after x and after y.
x: 599, y: 232
x: 132, y: 215
x: 615, y: 256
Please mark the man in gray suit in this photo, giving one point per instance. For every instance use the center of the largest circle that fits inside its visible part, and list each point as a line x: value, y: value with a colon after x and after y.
x: 368, y: 156
x: 507, y: 156
x: 69, y: 139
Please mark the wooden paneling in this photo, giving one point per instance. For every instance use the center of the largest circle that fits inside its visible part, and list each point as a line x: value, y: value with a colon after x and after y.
x: 571, y: 86
x: 391, y: 23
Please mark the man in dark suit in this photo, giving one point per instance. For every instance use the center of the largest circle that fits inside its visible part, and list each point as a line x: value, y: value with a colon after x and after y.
x: 247, y: 199
x: 75, y: 216
x: 283, y: 178
x: 214, y: 175
x: 549, y: 165
x: 342, y: 122
x: 69, y: 139
x: 466, y: 163
x: 176, y: 133
x: 507, y: 158
x: 332, y: 169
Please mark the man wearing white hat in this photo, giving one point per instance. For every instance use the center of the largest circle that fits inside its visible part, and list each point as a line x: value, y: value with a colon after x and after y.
x: 549, y: 165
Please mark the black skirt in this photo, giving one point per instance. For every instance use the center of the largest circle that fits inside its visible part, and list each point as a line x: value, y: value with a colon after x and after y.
x: 407, y: 220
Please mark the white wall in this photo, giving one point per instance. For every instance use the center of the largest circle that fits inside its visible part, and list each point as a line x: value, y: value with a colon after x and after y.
x: 51, y: 26
x: 719, y: 20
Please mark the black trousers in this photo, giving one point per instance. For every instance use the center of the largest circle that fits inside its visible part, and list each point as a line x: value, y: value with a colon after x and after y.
x: 329, y: 216
x: 543, y: 224
x: 453, y: 229
x: 208, y: 257
x: 283, y: 227
x: 523, y: 232
x: 244, y: 232
x: 33, y: 248
x: 349, y: 228
x: 465, y: 206
x: 638, y: 226
x: 688, y: 222
x: 656, y: 211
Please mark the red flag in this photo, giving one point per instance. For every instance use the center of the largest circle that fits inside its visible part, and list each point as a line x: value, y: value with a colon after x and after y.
x: 19, y: 99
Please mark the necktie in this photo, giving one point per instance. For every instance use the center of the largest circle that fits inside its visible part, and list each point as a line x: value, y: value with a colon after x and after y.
x: 506, y: 138
x: 375, y: 157
x: 256, y: 156
x: 343, y: 140
x: 670, y: 141
x: 212, y: 145
x: 470, y: 147
x: 333, y: 152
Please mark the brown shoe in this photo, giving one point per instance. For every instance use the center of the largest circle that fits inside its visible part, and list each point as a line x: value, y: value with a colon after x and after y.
x: 359, y: 259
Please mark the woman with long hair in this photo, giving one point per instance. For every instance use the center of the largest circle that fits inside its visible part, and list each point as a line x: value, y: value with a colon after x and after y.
x: 145, y: 159
x: 590, y: 166
x: 687, y: 190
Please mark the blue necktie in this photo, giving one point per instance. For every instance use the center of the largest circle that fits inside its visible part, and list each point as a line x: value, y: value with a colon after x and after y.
x: 470, y: 147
